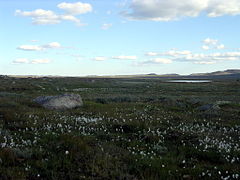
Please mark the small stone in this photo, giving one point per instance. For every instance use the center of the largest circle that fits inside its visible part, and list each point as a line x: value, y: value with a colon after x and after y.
x: 186, y: 176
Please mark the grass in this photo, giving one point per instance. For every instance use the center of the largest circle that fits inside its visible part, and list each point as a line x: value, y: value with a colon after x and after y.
x: 127, y: 129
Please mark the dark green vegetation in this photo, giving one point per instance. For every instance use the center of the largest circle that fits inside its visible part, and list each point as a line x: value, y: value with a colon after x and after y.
x: 127, y: 129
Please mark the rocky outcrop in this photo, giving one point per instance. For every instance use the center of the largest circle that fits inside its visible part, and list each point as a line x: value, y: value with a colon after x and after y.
x: 65, y: 101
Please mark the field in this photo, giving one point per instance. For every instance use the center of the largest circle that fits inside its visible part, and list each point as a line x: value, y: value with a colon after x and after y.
x: 127, y: 129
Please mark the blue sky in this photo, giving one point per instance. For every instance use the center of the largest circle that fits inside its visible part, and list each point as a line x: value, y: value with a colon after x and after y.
x: 106, y: 37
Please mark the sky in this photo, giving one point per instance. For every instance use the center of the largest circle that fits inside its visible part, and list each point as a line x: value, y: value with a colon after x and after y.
x: 118, y: 37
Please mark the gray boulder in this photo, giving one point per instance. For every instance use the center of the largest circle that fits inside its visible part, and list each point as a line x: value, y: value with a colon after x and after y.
x: 209, y: 107
x: 194, y: 101
x: 209, y: 110
x: 65, y: 101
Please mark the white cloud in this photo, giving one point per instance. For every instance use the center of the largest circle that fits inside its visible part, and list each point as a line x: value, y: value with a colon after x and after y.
x: 205, y: 62
x: 70, y: 18
x: 75, y: 8
x: 27, y: 61
x: 106, y: 26
x: 157, y: 61
x: 40, y: 16
x: 209, y: 41
x: 52, y: 45
x: 40, y: 61
x: 37, y: 13
x: 46, y: 17
x: 21, y: 61
x: 221, y: 46
x: 30, y: 48
x: 151, y: 54
x: 125, y: 57
x: 176, y: 53
x: 227, y: 56
x: 231, y: 54
x: 169, y: 53
x: 162, y: 60
x: 167, y: 10
x: 205, y: 47
x: 100, y: 58
x: 223, y: 7
x: 196, y: 58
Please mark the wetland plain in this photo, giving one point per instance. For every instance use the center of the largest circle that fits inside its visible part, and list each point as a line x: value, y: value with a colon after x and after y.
x: 127, y: 128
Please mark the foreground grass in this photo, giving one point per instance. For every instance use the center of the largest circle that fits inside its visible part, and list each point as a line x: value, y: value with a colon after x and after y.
x: 127, y: 129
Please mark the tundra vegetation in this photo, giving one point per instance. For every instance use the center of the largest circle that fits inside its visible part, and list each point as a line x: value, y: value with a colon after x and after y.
x: 127, y: 128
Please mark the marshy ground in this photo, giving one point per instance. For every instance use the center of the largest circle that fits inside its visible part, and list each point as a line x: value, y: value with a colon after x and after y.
x: 128, y: 128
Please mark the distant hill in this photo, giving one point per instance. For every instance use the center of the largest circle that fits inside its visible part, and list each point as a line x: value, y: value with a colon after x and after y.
x: 218, y: 73
x: 154, y: 74
x: 227, y: 74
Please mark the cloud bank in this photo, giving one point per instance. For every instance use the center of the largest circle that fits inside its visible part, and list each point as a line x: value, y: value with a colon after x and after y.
x: 197, y: 58
x: 168, y: 10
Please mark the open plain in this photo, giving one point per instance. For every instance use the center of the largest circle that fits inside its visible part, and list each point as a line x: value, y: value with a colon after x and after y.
x: 128, y: 128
